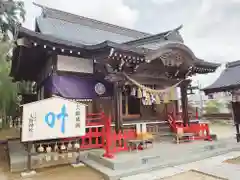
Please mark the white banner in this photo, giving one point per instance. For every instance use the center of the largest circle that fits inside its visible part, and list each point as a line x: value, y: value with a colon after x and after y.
x: 74, y: 64
x: 53, y: 118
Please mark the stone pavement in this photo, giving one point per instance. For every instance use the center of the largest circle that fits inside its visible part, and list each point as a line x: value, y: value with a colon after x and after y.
x: 171, y: 155
x: 213, y: 166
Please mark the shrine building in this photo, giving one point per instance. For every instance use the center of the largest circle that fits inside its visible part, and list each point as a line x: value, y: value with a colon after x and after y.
x: 128, y: 74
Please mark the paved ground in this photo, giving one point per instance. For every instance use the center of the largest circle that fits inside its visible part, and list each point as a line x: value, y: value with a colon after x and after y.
x: 222, y: 130
x: 214, y: 166
x: 193, y: 175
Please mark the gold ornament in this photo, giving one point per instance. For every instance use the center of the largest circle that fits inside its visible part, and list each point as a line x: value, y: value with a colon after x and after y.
x: 153, y: 91
x: 157, y: 99
x: 139, y: 93
x: 166, y: 98
x: 172, y: 95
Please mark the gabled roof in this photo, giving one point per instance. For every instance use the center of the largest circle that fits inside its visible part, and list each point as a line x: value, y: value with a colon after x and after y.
x: 228, y: 80
x: 88, y: 31
x: 73, y: 35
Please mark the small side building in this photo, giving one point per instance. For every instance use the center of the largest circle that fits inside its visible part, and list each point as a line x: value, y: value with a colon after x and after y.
x: 229, y: 82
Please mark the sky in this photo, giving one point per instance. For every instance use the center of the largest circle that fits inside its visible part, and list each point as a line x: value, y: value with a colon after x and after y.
x: 210, y: 27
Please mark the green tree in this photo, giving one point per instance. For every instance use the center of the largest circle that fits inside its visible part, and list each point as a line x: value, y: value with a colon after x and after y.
x: 8, y: 89
x: 213, y: 106
x: 11, y: 13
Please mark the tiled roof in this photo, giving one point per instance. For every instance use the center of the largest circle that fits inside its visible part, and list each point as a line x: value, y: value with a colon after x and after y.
x: 77, y: 32
x: 54, y: 41
x: 228, y: 80
x: 85, y: 31
x: 95, y: 24
x: 88, y: 31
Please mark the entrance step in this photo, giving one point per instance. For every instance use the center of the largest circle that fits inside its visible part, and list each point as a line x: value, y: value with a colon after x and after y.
x: 162, y: 155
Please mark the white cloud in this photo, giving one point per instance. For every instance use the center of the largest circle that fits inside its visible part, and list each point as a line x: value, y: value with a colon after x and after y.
x: 162, y: 1
x: 112, y: 11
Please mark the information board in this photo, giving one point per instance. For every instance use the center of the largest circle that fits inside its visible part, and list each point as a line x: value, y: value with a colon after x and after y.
x: 53, y: 118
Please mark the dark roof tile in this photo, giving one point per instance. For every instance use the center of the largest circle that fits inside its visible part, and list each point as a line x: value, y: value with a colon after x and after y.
x: 77, y: 32
x: 88, y: 31
x: 228, y: 80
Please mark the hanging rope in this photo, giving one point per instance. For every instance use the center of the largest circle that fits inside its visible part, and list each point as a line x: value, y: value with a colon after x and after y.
x: 147, y: 89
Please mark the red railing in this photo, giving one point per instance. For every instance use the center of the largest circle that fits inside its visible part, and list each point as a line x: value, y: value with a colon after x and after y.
x: 116, y: 142
x: 201, y: 130
x: 94, y: 132
x: 100, y: 134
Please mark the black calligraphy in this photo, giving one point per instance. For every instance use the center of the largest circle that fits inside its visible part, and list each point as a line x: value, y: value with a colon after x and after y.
x: 78, y: 116
x: 31, y: 122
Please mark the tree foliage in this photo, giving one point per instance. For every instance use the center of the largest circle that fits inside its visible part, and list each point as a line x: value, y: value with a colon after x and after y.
x: 8, y: 89
x: 11, y: 13
x: 213, y: 106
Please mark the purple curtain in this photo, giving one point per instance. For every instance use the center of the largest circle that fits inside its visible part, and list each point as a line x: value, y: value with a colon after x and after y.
x: 74, y: 87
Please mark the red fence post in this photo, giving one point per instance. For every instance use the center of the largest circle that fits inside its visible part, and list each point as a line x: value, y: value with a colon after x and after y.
x: 197, y: 116
x: 107, y: 138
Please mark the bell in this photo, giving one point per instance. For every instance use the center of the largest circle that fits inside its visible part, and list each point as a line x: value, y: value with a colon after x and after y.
x: 40, y: 148
x: 69, y: 146
x: 49, y: 149
x: 56, y: 147
x: 77, y: 145
x: 33, y: 149
x: 63, y: 147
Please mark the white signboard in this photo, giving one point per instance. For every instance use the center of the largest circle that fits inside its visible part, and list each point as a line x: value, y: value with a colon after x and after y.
x: 53, y: 118
x: 74, y: 64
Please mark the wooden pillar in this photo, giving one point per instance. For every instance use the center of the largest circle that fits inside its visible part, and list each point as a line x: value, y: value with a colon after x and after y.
x: 236, y: 118
x: 184, y: 102
x: 118, y: 107
x: 238, y: 132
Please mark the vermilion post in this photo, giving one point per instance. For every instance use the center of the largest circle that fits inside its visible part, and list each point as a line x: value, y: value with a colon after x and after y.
x: 107, y: 138
x: 197, y: 117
